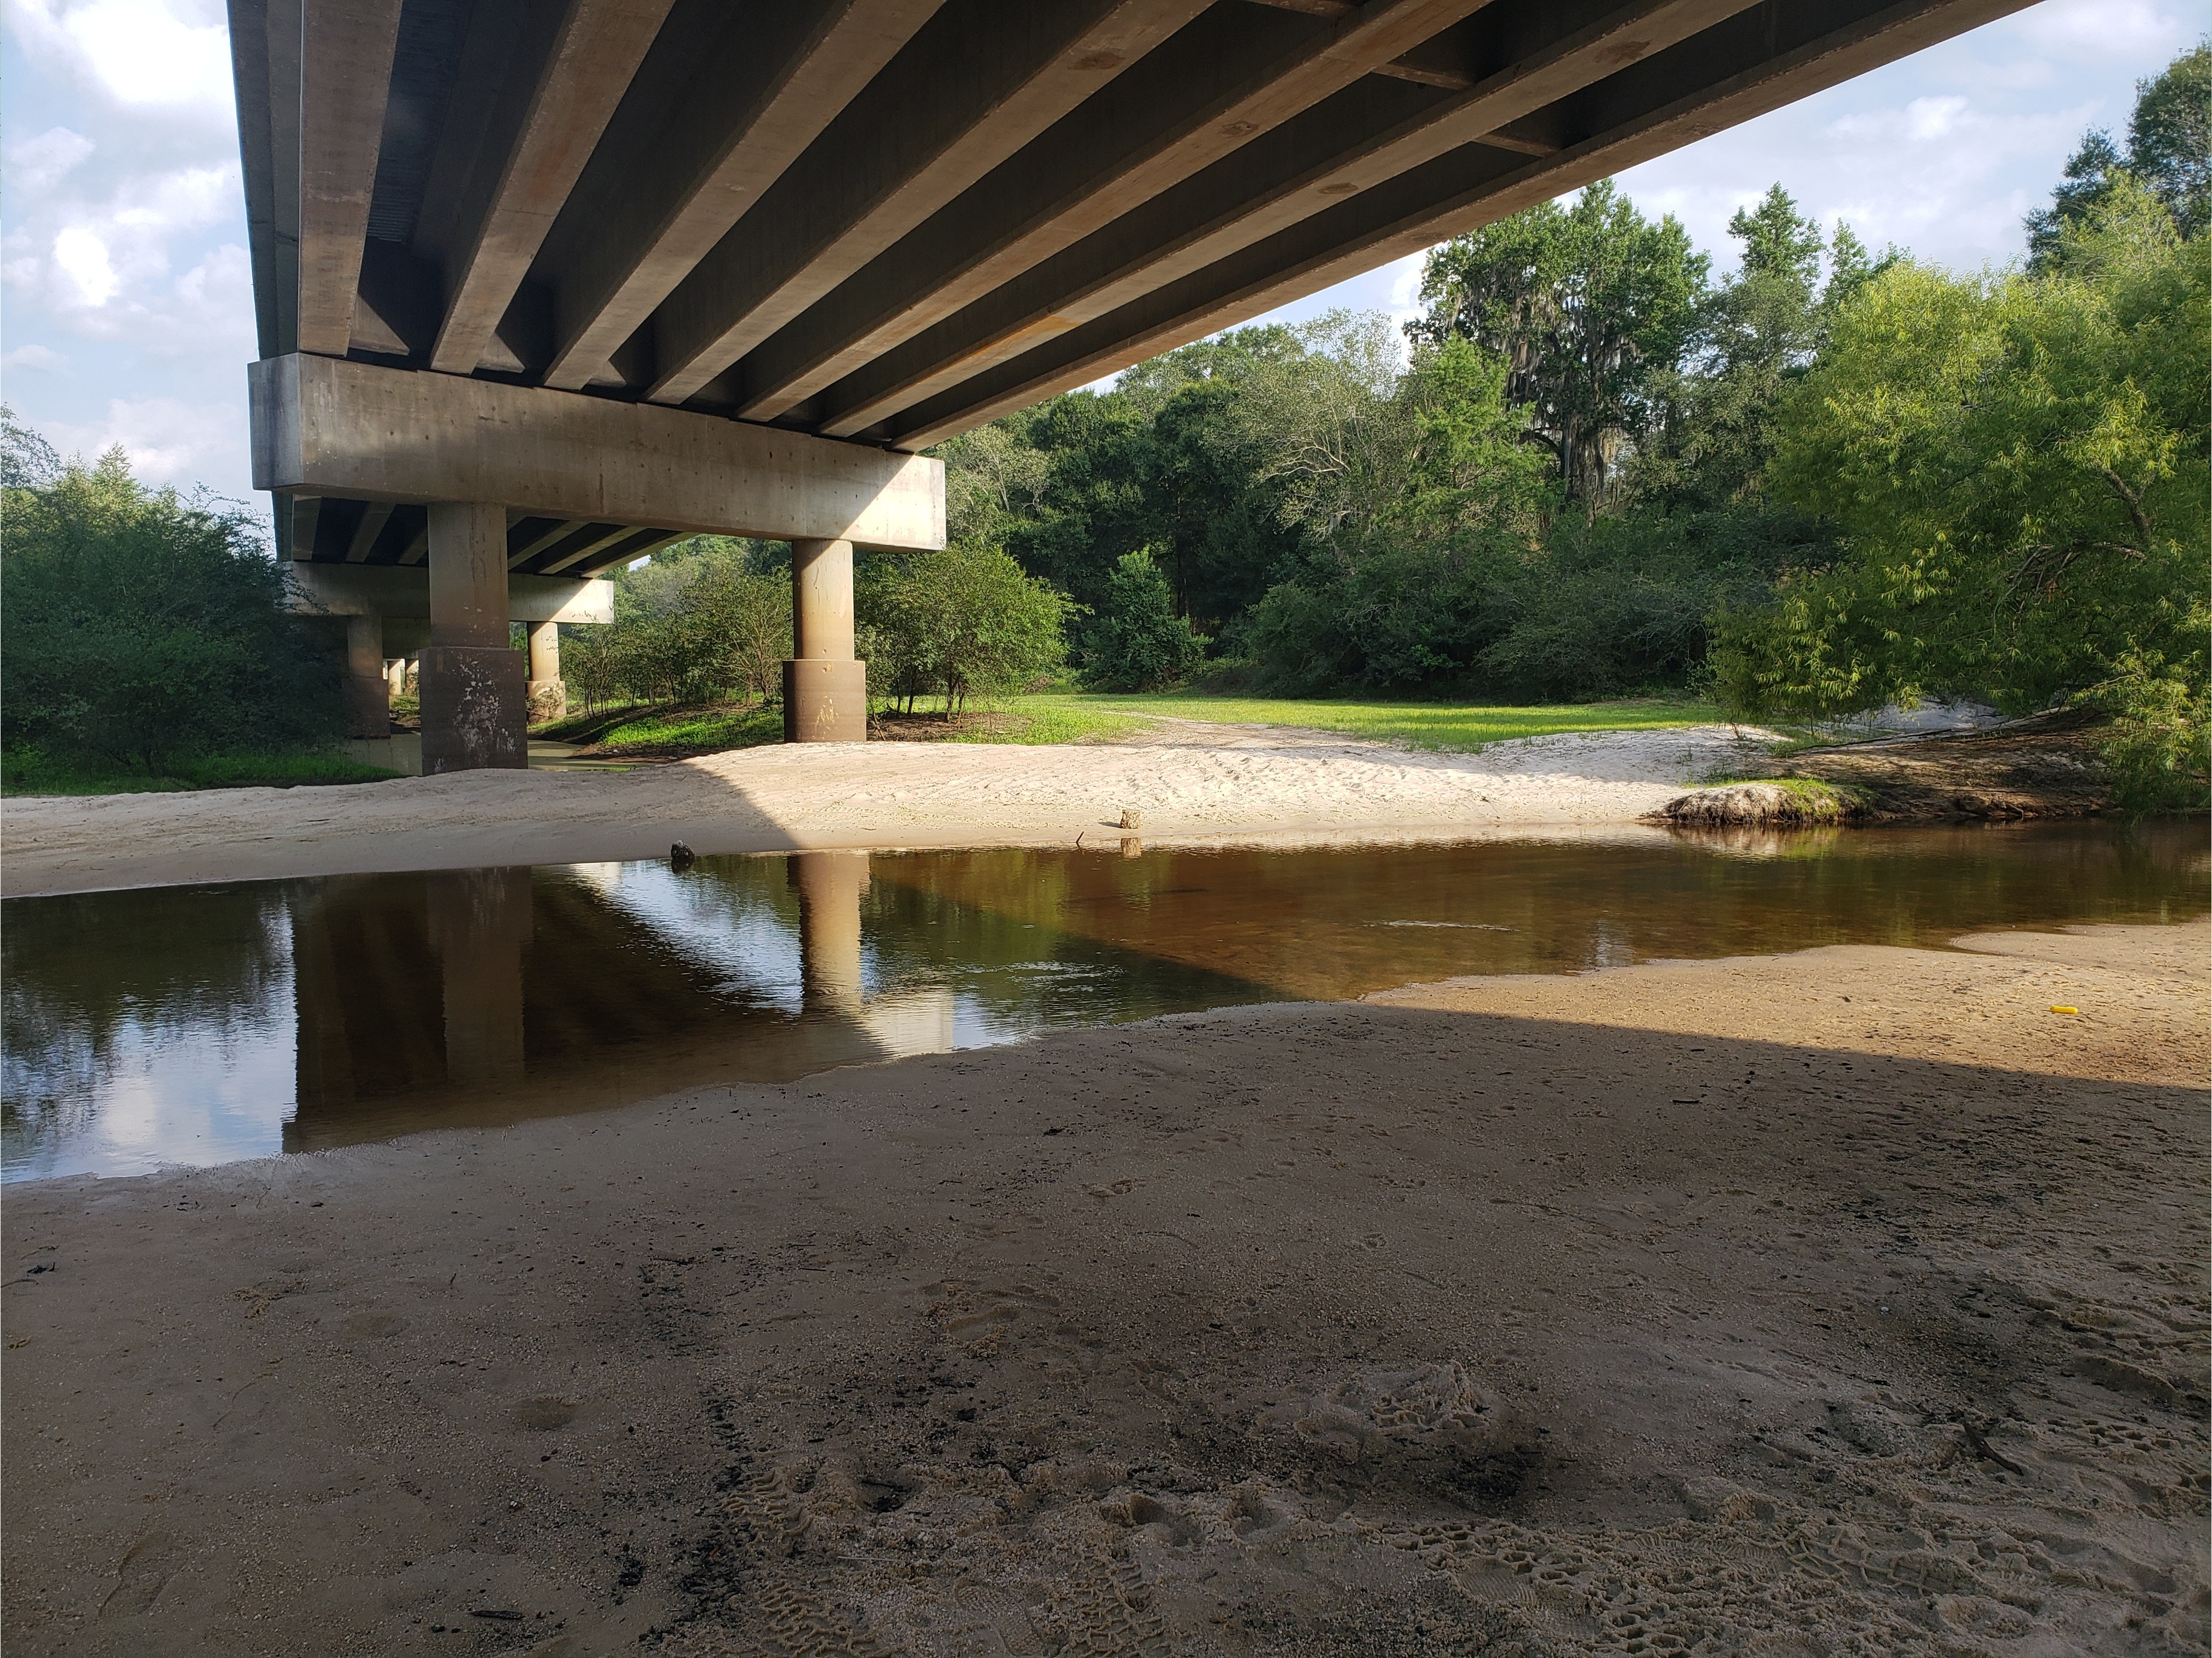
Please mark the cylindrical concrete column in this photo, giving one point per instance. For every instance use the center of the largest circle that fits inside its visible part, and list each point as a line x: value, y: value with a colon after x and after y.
x: 475, y: 697
x: 548, y: 697
x: 367, y: 702
x: 821, y: 601
x: 825, y: 692
x: 831, y: 884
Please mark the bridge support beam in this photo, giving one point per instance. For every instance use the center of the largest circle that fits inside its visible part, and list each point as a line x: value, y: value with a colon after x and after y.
x: 825, y: 691
x: 548, y: 697
x: 474, y: 696
x: 367, y: 697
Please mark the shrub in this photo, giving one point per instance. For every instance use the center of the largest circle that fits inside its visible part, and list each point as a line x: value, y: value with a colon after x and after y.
x: 1138, y: 642
x: 960, y: 623
x: 141, y: 628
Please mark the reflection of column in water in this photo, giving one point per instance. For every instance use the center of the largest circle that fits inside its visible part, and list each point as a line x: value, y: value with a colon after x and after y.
x: 480, y: 923
x: 829, y: 885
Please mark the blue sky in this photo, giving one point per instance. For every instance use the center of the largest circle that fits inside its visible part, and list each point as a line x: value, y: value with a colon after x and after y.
x: 128, y: 310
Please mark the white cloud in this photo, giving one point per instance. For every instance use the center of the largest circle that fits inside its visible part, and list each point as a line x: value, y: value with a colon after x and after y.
x: 2127, y: 31
x: 38, y: 358
x: 168, y: 439
x: 141, y: 54
x: 37, y: 165
x: 1405, y: 280
x: 103, y: 268
x: 81, y: 257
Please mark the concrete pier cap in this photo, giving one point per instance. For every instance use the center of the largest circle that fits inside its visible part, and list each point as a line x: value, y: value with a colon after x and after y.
x: 488, y: 467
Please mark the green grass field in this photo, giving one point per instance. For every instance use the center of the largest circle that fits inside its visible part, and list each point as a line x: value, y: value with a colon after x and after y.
x: 29, y: 773
x: 1448, y: 725
x: 1080, y: 716
x: 648, y: 731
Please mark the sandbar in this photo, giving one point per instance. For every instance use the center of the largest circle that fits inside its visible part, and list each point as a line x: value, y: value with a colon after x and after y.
x: 1850, y: 1300
x: 1226, y: 781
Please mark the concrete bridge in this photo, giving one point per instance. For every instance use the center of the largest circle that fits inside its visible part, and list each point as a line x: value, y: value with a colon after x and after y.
x: 541, y: 285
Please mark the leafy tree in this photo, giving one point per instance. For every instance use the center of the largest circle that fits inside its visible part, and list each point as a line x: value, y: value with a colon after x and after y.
x: 1707, y: 446
x: 2169, y: 153
x: 961, y: 622
x: 2017, y: 465
x: 1777, y: 241
x: 142, y: 628
x: 28, y: 461
x: 2170, y: 137
x: 1138, y: 642
x: 1585, y: 304
x: 707, y: 617
x: 2090, y: 171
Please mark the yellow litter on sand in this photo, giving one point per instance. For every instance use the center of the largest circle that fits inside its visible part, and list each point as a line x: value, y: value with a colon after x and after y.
x: 2055, y: 1008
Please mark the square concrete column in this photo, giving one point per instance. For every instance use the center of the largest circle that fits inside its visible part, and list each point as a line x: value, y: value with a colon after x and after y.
x: 548, y: 697
x: 368, y: 698
x: 825, y: 692
x: 475, y: 699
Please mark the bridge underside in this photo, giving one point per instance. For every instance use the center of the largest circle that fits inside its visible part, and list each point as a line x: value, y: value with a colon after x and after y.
x: 853, y: 226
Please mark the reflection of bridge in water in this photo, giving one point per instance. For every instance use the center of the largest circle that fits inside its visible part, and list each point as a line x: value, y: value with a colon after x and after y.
x: 419, y: 1005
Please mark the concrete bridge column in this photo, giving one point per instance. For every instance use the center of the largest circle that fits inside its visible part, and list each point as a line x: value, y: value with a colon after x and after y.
x: 367, y: 699
x: 475, y: 698
x: 548, y: 697
x: 825, y: 692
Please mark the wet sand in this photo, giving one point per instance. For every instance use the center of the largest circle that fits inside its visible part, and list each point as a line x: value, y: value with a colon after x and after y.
x: 1196, y: 780
x: 1847, y: 1302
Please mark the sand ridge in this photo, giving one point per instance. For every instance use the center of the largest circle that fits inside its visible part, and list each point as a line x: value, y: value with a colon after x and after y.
x: 1849, y: 1302
x: 1228, y: 781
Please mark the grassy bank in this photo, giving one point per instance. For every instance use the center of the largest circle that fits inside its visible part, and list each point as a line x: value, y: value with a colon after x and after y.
x: 649, y: 732
x: 30, y: 773
x: 1448, y: 726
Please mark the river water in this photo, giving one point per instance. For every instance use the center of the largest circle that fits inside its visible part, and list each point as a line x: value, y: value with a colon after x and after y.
x: 197, y: 1025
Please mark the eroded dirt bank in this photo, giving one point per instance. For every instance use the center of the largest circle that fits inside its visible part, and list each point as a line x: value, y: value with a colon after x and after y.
x: 1851, y: 1302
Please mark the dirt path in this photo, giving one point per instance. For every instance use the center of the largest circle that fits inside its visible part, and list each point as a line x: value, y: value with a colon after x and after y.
x: 889, y: 794
x: 1851, y: 1302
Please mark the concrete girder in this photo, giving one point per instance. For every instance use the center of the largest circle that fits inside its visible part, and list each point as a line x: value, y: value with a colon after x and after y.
x: 486, y: 219
x: 400, y: 594
x: 978, y: 83
x: 626, y: 549
x: 324, y: 427
x: 1223, y: 84
x: 592, y: 548
x: 256, y: 68
x: 366, y: 532
x: 1759, y: 60
x: 703, y: 160
x: 1367, y: 136
x: 344, y: 73
x: 538, y: 545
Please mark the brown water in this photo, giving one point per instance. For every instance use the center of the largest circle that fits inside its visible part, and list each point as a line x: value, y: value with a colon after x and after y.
x: 203, y: 1024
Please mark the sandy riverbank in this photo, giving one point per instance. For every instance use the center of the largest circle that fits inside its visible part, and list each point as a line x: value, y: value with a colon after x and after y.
x: 1849, y: 1302
x: 1220, y: 781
